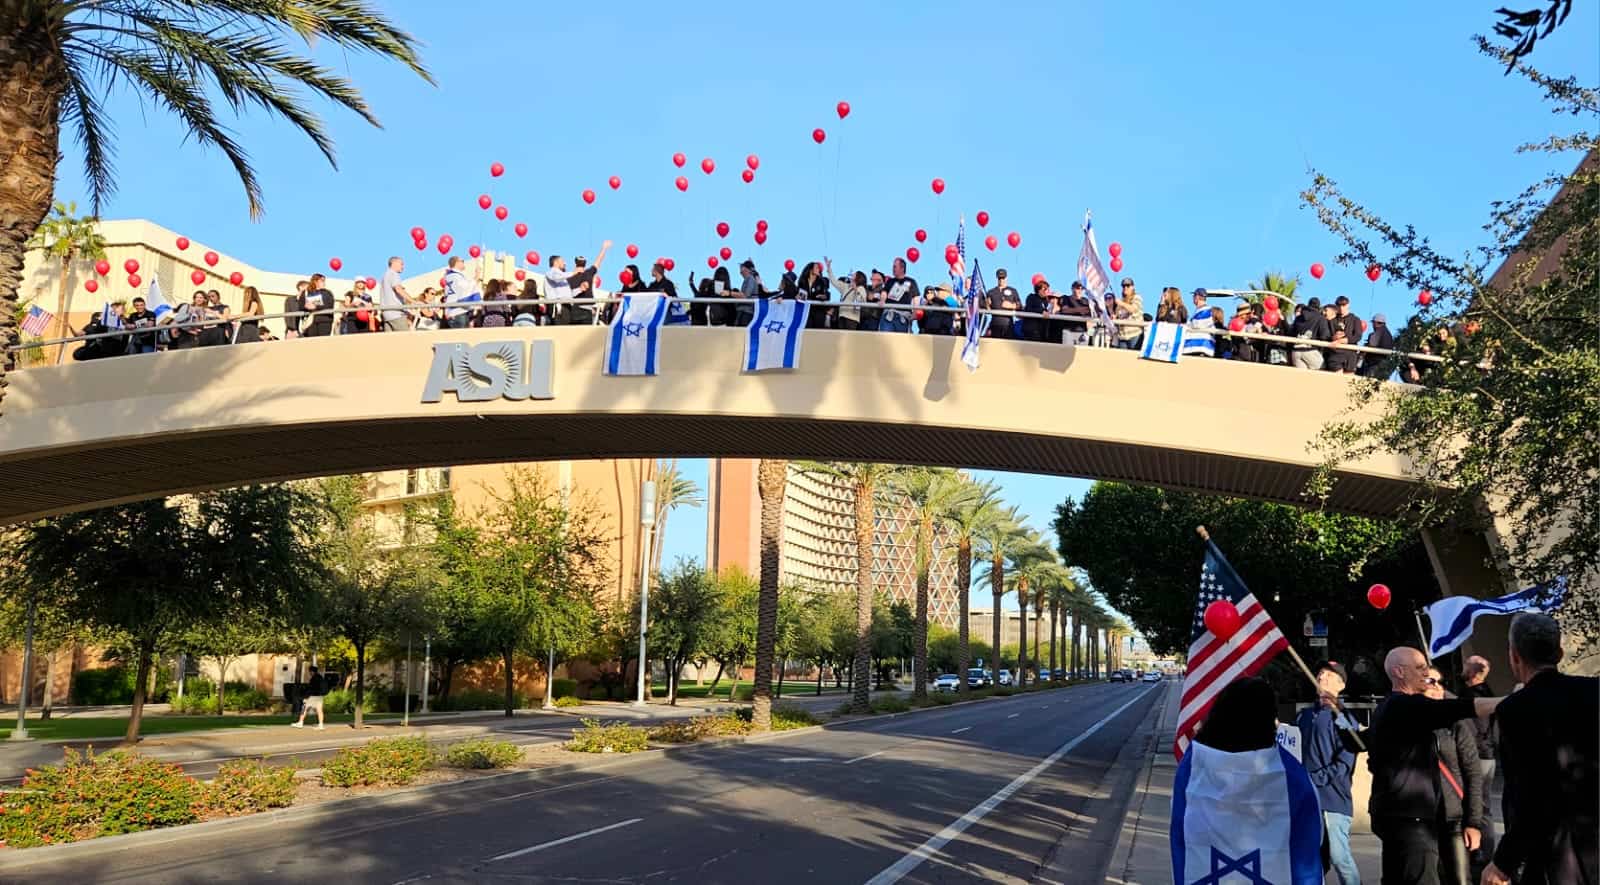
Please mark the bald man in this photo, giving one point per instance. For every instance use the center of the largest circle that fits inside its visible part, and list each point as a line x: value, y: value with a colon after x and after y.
x: 1404, y: 762
x: 1474, y: 678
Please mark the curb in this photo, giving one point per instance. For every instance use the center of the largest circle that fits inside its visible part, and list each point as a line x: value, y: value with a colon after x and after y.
x: 1120, y: 863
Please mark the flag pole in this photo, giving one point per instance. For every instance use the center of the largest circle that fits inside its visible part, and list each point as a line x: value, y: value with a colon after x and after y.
x: 1289, y: 646
x: 1423, y: 634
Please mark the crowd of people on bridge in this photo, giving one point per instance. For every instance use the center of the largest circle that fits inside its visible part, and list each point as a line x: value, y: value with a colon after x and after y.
x: 858, y: 300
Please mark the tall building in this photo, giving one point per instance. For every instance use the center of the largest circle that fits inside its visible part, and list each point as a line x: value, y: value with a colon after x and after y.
x: 819, y: 539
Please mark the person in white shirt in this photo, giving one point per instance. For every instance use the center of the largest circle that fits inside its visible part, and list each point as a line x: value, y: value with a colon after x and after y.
x: 457, y: 290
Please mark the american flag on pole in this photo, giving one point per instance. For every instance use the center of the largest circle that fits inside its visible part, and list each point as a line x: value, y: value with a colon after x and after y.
x: 1213, y: 663
x: 977, y: 321
x: 959, y: 269
x: 37, y: 321
x: 1093, y: 276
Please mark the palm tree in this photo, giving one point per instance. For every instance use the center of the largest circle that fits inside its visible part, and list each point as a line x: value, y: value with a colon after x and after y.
x: 930, y: 492
x: 1273, y: 281
x: 997, y: 539
x: 865, y: 482
x: 1081, y: 605
x: 67, y: 236
x: 1058, y: 592
x: 673, y: 490
x: 60, y: 58
x: 978, y: 509
x: 772, y: 480
x: 1031, y: 564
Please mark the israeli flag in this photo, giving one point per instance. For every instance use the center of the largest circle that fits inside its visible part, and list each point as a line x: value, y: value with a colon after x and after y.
x: 1244, y: 817
x: 634, y: 342
x: 156, y: 302
x: 1196, y: 342
x: 109, y: 318
x: 1452, y: 616
x: 775, y: 334
x: 1163, y: 342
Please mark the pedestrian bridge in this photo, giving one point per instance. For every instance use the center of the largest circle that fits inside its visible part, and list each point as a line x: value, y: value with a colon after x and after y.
x: 121, y: 429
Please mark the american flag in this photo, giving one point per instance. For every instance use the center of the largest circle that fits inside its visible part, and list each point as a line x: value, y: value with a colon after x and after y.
x: 37, y: 321
x: 1213, y: 664
x: 977, y: 321
x: 959, y: 269
x: 1093, y: 276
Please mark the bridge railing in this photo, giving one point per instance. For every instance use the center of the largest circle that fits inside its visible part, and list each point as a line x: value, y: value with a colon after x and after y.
x: 1075, y: 323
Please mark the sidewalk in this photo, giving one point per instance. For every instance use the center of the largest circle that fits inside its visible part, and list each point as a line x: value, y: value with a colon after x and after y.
x: 1143, y: 855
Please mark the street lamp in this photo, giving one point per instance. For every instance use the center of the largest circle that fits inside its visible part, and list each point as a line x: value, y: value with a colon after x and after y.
x: 427, y: 666
x: 647, y: 519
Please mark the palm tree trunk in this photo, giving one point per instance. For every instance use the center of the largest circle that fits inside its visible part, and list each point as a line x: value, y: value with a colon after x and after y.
x: 31, y: 87
x: 963, y: 590
x: 997, y: 586
x: 919, y: 679
x: 61, y: 307
x: 860, y: 679
x: 772, y: 477
x: 1022, y: 633
x: 1038, y: 618
x: 1053, y: 612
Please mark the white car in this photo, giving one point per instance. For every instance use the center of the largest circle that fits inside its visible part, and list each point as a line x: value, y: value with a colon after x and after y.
x: 977, y: 677
x: 1004, y: 678
x: 1152, y: 676
x: 946, y: 682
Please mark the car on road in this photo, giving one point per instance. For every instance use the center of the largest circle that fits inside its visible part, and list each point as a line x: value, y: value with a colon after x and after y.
x: 1117, y: 676
x: 1004, y: 678
x: 1152, y: 676
x: 977, y: 677
x: 946, y: 682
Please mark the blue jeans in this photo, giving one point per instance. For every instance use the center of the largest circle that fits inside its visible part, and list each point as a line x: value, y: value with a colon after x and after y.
x: 1339, y: 856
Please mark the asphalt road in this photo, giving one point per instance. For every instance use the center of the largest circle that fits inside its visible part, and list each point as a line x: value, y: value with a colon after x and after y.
x: 978, y: 792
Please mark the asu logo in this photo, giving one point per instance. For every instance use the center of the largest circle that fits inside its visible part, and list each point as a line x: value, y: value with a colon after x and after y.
x: 478, y: 373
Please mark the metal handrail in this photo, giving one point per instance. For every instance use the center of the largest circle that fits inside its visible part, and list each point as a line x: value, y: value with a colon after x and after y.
x: 335, y: 312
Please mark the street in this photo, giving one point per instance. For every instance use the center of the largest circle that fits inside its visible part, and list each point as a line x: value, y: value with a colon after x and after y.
x: 976, y: 792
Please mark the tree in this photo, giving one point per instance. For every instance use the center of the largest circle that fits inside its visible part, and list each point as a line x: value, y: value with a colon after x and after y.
x: 34, y: 617
x: 61, y: 60
x: 1031, y: 563
x: 930, y: 493
x: 67, y: 237
x: 144, y: 570
x: 686, y: 603
x: 997, y: 538
x: 1275, y: 281
x: 223, y: 640
x: 966, y: 519
x: 1504, y: 425
x: 673, y: 490
x: 731, y: 638
x: 772, y: 480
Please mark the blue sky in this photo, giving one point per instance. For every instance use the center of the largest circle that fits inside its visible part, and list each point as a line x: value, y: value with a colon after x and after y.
x: 1189, y: 129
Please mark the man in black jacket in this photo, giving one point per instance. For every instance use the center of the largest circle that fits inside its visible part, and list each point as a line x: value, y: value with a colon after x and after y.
x: 1550, y: 748
x: 316, y: 689
x: 1475, y: 682
x: 1404, y: 761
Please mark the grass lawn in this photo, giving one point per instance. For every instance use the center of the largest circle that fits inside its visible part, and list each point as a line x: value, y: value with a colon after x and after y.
x: 92, y: 727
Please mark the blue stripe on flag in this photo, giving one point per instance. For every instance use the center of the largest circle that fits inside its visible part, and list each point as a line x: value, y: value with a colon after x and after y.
x: 1305, y: 821
x: 614, y: 356
x: 653, y: 342
x: 1180, y: 806
x: 791, y: 339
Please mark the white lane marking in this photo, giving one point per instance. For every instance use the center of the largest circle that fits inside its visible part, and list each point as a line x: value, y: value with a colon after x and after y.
x: 802, y: 759
x: 1013, y: 715
x: 914, y: 858
x: 573, y: 838
x: 868, y: 756
x: 961, y: 729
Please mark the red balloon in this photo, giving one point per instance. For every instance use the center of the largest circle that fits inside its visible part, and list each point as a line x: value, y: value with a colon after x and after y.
x: 1270, y: 302
x: 588, y: 196
x: 444, y: 246
x: 761, y: 224
x: 485, y: 201
x: 532, y: 258
x: 441, y: 282
x: 197, y: 276
x: 990, y: 242
x: 1013, y: 239
x: 725, y: 252
x: 1116, y: 265
x: 501, y: 212
x: 951, y: 255
x: 1115, y: 250
x: 626, y: 277
x: 236, y: 278
x: 1236, y: 324
x: 418, y: 233
x: 1317, y: 270
x: 91, y: 285
x: 420, y: 244
x: 371, y: 282
x: 913, y: 254
x: 682, y: 183
x: 818, y: 135
x: 131, y: 265
x: 615, y: 182
x: 678, y: 160
x: 938, y: 185
x: 748, y: 176
x: 1373, y: 272
x: 474, y: 251
x: 708, y: 165
x: 102, y: 267
x: 183, y: 243
x: 1424, y: 298
x: 335, y: 263
x: 632, y: 250
x: 668, y: 263
x: 983, y: 219
x: 753, y: 161
x: 761, y: 238
x: 520, y: 275
x: 134, y: 280
x: 212, y: 258
x: 1379, y: 597
x: 921, y: 235
x: 788, y: 264
x: 521, y: 230
x: 722, y: 228
x: 712, y: 262
x: 496, y: 169
x: 1036, y: 278
x: 918, y: 315
x: 843, y: 109
x: 447, y: 240
x: 1222, y: 619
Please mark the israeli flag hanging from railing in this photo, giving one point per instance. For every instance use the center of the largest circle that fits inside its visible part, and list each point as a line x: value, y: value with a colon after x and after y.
x: 1245, y: 817
x: 1452, y: 616
x: 1163, y: 342
x: 775, y: 334
x: 634, y: 342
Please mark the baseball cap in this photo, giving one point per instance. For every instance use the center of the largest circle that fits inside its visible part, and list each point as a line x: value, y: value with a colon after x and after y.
x: 1200, y: 292
x: 1380, y: 318
x: 1341, y: 301
x: 1127, y: 281
x: 1076, y: 286
x: 1336, y: 667
x: 1001, y: 273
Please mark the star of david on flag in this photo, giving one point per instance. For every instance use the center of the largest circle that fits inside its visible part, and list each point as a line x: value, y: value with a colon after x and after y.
x: 633, y: 344
x: 775, y: 334
x: 1163, y: 342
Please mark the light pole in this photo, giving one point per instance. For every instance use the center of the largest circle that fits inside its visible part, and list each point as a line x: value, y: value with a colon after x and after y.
x: 20, y: 733
x: 550, y: 681
x: 406, y: 719
x: 427, y: 668
x: 647, y: 519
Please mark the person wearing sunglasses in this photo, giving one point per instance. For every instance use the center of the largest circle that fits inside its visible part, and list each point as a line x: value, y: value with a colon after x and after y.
x: 1463, y: 792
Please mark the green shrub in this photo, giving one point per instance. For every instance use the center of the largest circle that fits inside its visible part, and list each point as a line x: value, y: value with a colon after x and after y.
x: 198, y: 687
x: 564, y: 688
x: 343, y: 700
x: 597, y: 737
x: 194, y: 704
x: 247, y: 701
x: 110, y: 686
x: 890, y: 705
x: 683, y: 731
x: 744, y: 693
x: 1002, y: 691
x: 785, y: 718
x: 678, y: 731
x: 568, y: 700
x: 88, y: 796
x: 483, y: 753
x: 245, y: 786
x: 384, y: 762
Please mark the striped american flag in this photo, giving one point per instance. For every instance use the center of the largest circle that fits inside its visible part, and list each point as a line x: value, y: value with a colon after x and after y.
x: 1213, y: 663
x: 37, y: 321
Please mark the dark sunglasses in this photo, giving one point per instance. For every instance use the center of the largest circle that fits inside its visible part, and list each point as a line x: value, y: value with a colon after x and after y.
x: 1429, y: 680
